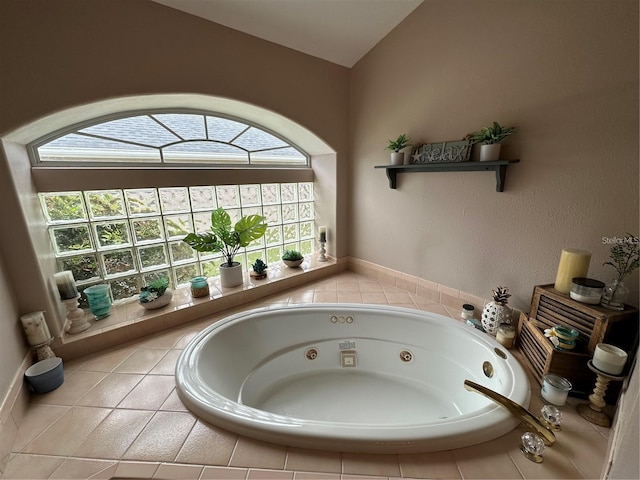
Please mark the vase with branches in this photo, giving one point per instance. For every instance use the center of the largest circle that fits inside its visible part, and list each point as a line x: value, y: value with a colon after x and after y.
x: 624, y: 257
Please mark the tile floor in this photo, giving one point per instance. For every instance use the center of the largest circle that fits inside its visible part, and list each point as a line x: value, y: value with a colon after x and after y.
x: 117, y: 415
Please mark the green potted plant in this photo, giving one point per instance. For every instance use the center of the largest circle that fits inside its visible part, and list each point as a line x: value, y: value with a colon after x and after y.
x: 156, y: 294
x: 490, y: 139
x: 625, y: 258
x: 228, y: 239
x: 397, y: 157
x: 292, y: 258
x: 259, y: 268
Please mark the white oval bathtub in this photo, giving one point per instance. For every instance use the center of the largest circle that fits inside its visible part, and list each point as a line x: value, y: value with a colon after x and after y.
x: 351, y: 378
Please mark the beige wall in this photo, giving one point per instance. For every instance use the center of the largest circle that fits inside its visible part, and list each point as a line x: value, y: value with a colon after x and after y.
x: 566, y: 74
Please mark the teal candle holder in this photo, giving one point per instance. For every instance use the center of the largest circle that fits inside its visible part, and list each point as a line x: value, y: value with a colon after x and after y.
x: 99, y: 297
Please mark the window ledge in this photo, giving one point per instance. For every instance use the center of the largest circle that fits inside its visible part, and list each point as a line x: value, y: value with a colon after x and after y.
x: 129, y: 321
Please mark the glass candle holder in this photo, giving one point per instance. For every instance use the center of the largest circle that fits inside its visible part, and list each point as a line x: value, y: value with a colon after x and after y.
x: 99, y: 297
x: 199, y: 287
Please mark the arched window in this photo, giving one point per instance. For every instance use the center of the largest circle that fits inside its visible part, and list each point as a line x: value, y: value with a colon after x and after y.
x: 171, y: 138
x: 126, y: 235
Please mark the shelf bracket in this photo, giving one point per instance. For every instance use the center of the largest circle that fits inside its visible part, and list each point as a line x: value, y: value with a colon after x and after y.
x: 498, y: 166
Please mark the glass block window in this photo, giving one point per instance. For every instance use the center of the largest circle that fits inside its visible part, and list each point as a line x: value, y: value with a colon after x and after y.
x: 173, y: 138
x: 130, y: 237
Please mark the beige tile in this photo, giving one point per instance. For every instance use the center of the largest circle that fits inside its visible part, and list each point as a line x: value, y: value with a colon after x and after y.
x: 178, y: 472
x: 489, y: 460
x: 451, y: 301
x: 451, y: 292
x: 162, y: 438
x: 437, y: 308
x: 207, y: 445
x: 80, y: 468
x: 399, y: 297
x: 304, y: 296
x: 586, y: 450
x: 313, y: 460
x: 378, y: 298
x: 132, y: 469
x: 111, y: 390
x: 370, y: 287
x: 369, y: 464
x: 255, y: 454
x: 107, y: 361
x: 348, y: 286
x: 327, y: 285
x: 408, y: 284
x: 141, y: 361
x: 427, y: 296
x: 150, y: 393
x: 349, y: 297
x: 37, y: 419
x: 173, y: 403
x: 269, y: 475
x: 434, y: 465
x: 316, y: 476
x: 68, y: 432
x: 325, y: 297
x: 114, y: 435
x: 8, y: 434
x: 24, y: 466
x: 75, y: 386
x: 106, y: 474
x: 224, y: 473
x: 554, y: 466
x: 166, y: 366
x: 185, y: 339
x: 164, y: 340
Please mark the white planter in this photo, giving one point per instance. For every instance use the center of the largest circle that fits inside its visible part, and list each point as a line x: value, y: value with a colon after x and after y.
x: 397, y: 158
x: 230, y: 276
x: 490, y: 153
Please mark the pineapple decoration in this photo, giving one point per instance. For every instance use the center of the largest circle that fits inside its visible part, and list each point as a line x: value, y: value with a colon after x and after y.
x: 496, y: 312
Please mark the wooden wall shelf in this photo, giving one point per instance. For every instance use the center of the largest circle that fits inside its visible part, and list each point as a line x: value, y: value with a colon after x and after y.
x: 500, y: 167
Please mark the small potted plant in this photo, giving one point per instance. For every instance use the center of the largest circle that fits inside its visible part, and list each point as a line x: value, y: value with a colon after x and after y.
x: 156, y: 294
x: 259, y: 268
x: 292, y: 258
x: 490, y: 138
x: 625, y: 258
x: 228, y: 239
x: 397, y: 157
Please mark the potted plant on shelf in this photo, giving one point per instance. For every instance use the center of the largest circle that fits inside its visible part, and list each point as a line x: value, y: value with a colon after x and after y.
x: 397, y: 157
x: 490, y: 138
x: 292, y: 258
x: 259, y: 268
x: 156, y: 295
x: 228, y: 239
x: 625, y: 258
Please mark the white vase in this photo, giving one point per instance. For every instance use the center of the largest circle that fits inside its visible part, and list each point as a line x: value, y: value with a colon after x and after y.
x: 490, y: 153
x: 397, y: 158
x: 230, y: 276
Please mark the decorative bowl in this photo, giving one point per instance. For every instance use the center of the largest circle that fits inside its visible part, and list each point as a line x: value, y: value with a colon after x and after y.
x: 159, y: 302
x: 293, y: 263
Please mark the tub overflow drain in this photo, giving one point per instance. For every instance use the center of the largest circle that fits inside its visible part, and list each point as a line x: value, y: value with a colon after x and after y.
x: 311, y: 354
x: 406, y: 356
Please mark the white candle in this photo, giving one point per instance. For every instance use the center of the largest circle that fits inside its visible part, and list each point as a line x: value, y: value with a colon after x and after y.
x: 323, y: 234
x: 36, y: 328
x: 573, y: 263
x: 66, y: 285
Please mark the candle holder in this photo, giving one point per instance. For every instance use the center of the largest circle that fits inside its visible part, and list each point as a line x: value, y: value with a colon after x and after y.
x: 322, y: 253
x: 43, y: 351
x: 593, y: 411
x: 75, y: 315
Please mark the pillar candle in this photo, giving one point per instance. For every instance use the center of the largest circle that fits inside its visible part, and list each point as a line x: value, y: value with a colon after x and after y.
x: 36, y: 328
x: 573, y: 263
x: 66, y: 285
x: 323, y: 234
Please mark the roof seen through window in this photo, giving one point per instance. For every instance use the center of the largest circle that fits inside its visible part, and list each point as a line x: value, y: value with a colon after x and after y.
x: 184, y: 138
